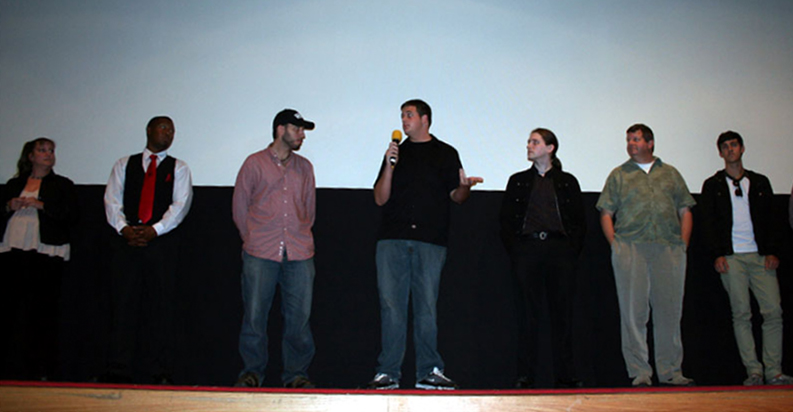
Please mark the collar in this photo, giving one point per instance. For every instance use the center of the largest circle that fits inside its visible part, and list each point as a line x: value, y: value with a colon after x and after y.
x: 746, y: 175
x: 548, y: 173
x: 656, y: 163
x: 274, y: 155
x: 433, y: 139
x: 160, y: 156
x: 48, y: 176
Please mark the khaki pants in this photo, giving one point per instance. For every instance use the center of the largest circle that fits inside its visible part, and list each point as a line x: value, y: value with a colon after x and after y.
x: 747, y: 272
x: 650, y: 275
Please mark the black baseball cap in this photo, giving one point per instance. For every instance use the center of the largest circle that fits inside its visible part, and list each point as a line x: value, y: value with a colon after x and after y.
x: 290, y: 116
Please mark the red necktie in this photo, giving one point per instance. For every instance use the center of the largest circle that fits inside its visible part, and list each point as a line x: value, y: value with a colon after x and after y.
x: 147, y: 194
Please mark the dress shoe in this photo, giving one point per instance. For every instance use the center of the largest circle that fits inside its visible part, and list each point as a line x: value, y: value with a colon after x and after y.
x: 301, y: 382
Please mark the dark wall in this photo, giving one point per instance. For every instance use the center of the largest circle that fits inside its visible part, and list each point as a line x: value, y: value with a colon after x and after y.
x: 476, y: 320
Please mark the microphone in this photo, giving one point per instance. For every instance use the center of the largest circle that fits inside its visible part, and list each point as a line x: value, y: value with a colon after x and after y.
x: 396, y: 137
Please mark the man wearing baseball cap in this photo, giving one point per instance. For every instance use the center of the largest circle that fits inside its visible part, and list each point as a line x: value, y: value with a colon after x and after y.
x: 274, y: 208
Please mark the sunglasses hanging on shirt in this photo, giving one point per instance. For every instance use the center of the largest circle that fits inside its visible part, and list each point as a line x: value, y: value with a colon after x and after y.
x: 737, y: 184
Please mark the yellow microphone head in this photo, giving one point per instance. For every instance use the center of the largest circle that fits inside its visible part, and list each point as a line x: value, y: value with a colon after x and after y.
x: 396, y: 136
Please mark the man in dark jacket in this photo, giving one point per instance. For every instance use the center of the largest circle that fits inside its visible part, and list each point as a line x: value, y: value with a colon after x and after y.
x: 738, y: 222
x: 543, y: 226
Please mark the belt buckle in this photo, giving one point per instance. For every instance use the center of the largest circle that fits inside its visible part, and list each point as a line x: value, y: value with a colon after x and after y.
x: 543, y: 235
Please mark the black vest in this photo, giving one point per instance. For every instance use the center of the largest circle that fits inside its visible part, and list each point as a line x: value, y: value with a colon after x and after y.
x: 163, y: 189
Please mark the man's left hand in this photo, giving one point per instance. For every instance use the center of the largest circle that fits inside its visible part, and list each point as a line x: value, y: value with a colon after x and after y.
x: 469, y: 181
x: 146, y: 233
x: 771, y: 262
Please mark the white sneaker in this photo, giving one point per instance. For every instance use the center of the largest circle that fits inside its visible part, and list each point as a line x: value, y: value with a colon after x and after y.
x: 679, y: 380
x: 383, y: 381
x: 781, y: 379
x: 436, y: 381
x: 754, y: 379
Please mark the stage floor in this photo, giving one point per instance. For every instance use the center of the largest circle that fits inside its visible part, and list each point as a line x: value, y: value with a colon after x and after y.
x: 34, y: 396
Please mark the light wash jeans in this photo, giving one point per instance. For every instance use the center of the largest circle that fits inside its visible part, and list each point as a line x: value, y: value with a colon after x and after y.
x: 747, y: 271
x: 259, y: 280
x: 404, y: 268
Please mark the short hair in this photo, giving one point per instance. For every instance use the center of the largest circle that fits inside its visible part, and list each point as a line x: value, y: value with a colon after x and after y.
x: 727, y: 136
x: 421, y: 107
x: 647, y: 133
x: 24, y: 165
x: 156, y: 119
x: 549, y: 138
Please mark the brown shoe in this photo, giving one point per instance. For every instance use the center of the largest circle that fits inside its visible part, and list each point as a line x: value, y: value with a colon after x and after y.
x: 247, y: 380
x: 301, y: 382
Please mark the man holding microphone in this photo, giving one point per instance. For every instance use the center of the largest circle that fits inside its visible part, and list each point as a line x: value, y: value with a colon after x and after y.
x: 418, y: 180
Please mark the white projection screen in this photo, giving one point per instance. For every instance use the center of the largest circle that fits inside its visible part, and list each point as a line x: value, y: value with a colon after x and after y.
x: 90, y: 73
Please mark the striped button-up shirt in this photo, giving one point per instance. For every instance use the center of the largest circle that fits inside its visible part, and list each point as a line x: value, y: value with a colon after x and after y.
x: 274, y: 206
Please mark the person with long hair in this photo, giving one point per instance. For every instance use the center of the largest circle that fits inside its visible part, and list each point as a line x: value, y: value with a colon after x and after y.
x: 543, y: 225
x: 40, y: 207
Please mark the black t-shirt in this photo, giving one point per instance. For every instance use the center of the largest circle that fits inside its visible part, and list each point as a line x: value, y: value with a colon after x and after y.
x: 418, y: 208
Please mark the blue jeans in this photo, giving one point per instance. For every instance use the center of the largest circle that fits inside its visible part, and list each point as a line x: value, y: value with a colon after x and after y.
x: 259, y: 280
x: 406, y: 267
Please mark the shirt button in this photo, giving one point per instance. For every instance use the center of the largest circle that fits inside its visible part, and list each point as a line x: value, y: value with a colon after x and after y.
x: 412, y: 226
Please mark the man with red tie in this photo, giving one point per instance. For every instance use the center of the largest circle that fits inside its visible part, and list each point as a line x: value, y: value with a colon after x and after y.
x: 147, y: 197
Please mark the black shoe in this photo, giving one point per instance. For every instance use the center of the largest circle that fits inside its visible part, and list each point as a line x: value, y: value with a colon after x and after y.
x: 247, y: 380
x: 524, y: 382
x: 569, y: 384
x: 383, y: 381
x: 301, y: 382
x: 436, y: 380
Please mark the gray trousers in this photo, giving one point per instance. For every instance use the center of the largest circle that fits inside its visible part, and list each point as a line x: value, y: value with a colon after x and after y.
x: 650, y: 275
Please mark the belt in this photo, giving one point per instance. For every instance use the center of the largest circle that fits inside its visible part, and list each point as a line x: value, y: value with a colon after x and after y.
x: 544, y: 235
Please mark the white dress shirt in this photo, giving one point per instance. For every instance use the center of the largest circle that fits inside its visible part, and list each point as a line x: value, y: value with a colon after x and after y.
x: 182, y: 194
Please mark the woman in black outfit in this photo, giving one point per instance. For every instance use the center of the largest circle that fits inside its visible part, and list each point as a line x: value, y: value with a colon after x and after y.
x: 39, y: 208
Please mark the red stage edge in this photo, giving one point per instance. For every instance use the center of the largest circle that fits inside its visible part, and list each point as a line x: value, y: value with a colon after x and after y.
x: 38, y: 396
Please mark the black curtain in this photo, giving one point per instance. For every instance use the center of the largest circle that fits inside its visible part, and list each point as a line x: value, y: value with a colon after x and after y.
x: 477, y: 326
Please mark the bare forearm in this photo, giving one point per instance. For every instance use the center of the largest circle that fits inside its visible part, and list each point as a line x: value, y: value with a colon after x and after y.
x: 382, y: 189
x: 460, y: 194
x: 607, y: 225
x: 686, y: 225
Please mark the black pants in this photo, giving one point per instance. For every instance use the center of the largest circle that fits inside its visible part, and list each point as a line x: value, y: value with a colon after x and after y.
x: 30, y: 314
x: 142, y: 289
x: 545, y: 271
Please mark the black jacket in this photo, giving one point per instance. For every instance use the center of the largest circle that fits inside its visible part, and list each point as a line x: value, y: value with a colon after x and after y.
x: 60, y: 207
x: 568, y: 197
x: 715, y: 211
